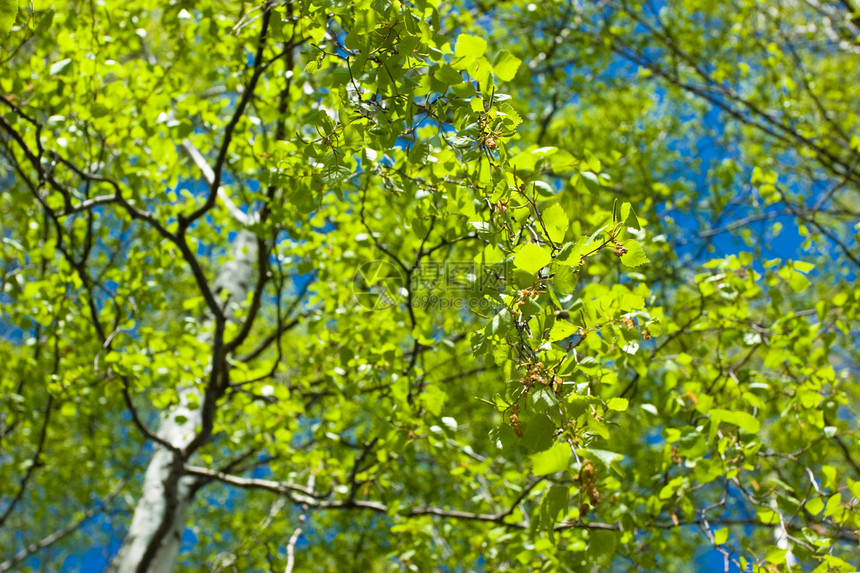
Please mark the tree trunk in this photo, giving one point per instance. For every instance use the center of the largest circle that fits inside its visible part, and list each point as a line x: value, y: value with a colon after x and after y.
x: 155, y: 533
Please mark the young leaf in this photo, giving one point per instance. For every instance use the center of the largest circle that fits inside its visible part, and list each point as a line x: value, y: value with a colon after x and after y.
x: 532, y: 258
x: 556, y: 222
x: 743, y: 420
x: 552, y: 460
x: 561, y: 330
x: 419, y: 152
x: 571, y: 253
x: 506, y: 65
x: 563, y: 278
x: 629, y: 216
x: 634, y: 256
x: 8, y: 11
x: 601, y: 547
x: 617, y: 404
x: 470, y: 46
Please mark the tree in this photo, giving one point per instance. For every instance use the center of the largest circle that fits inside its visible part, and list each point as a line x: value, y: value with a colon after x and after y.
x: 309, y: 284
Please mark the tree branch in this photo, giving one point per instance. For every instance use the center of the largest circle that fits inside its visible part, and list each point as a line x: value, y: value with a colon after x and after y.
x: 259, y: 68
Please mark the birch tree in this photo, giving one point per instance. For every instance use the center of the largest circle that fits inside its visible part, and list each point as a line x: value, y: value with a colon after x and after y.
x: 319, y: 285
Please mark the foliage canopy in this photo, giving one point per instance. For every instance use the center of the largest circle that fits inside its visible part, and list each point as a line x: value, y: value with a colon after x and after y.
x: 430, y: 285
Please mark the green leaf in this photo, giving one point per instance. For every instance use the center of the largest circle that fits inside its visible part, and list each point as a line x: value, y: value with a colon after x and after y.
x: 854, y: 487
x: 814, y: 506
x: 832, y: 504
x: 380, y: 6
x: 447, y: 75
x: 617, y: 404
x: 797, y: 281
x: 554, y: 502
x: 532, y: 258
x: 601, y: 547
x: 552, y: 460
x: 334, y: 174
x: 604, y: 456
x: 482, y: 72
x: 598, y: 428
x: 8, y: 11
x: 634, y: 256
x: 721, y: 536
x: 558, y: 499
x: 543, y: 189
x: 775, y: 555
x: 744, y: 421
x: 470, y: 46
x: 629, y: 216
x: 580, y: 403
x: 571, y: 253
x: 506, y: 65
x: 312, y: 66
x: 538, y: 432
x: 563, y: 278
x: 560, y: 330
x: 501, y: 323
x: 419, y: 152
x: 58, y: 67
x: 509, y: 116
x: 556, y: 222
x: 829, y: 480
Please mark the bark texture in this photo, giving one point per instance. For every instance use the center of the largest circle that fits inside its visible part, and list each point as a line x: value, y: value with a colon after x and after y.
x: 155, y: 534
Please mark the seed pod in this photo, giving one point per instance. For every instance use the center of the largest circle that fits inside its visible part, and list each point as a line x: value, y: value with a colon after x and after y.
x: 589, y: 474
x: 517, y: 426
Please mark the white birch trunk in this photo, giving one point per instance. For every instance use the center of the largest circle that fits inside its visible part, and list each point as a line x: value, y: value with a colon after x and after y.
x: 155, y: 533
x: 155, y: 505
